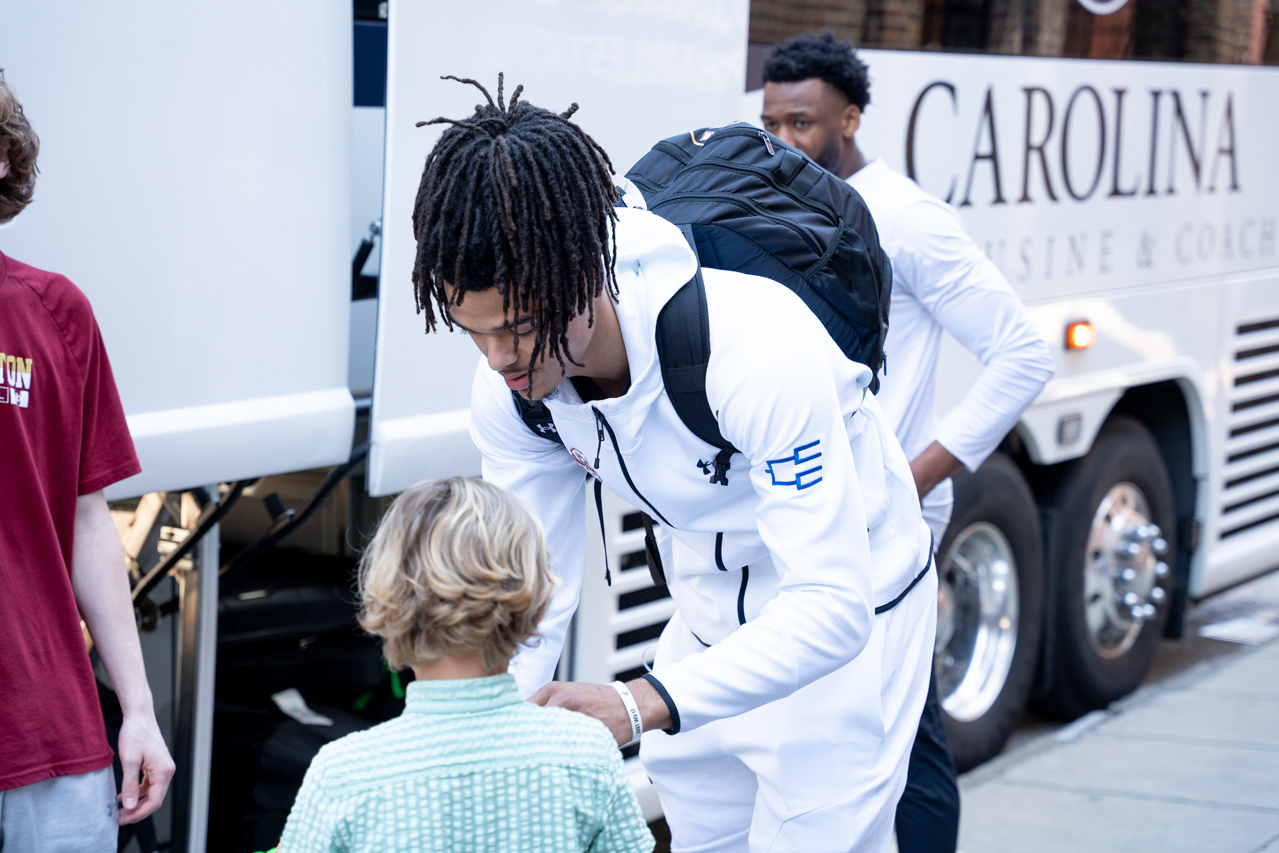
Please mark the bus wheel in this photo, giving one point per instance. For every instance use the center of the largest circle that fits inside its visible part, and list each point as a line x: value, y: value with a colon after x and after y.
x: 1111, y: 582
x: 989, y: 603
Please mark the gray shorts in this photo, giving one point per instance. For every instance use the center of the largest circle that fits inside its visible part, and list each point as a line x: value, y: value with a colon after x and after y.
x: 65, y: 814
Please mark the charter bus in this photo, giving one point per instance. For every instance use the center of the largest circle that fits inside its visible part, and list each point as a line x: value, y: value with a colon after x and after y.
x: 1113, y: 157
x: 1116, y: 160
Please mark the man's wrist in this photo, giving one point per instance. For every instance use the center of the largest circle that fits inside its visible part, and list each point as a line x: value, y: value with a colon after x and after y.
x: 932, y: 466
x: 137, y: 703
x: 655, y: 709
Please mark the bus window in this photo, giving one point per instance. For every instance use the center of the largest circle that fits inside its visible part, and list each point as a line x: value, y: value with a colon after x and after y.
x: 1215, y: 31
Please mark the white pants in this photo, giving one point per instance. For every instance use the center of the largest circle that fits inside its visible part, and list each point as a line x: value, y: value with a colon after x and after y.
x: 821, y: 770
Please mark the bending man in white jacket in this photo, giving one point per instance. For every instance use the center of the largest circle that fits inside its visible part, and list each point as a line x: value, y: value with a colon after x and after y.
x: 781, y: 707
x: 815, y: 89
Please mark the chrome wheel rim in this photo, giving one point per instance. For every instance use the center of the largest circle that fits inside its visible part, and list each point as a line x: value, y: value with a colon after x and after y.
x: 977, y: 609
x: 1123, y: 575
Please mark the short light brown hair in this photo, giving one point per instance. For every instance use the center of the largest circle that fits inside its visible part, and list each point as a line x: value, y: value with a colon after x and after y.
x: 22, y: 144
x: 457, y: 565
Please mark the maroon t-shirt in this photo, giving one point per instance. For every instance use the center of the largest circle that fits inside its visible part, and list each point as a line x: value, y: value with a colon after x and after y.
x: 62, y: 435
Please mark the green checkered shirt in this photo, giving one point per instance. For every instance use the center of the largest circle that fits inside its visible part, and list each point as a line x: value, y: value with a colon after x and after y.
x: 469, y: 766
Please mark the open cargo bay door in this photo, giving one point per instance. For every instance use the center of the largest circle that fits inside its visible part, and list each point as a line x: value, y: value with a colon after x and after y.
x: 195, y: 184
x: 640, y: 73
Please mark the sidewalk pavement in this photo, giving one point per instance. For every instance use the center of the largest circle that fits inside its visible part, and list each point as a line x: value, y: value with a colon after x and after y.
x: 1188, y: 764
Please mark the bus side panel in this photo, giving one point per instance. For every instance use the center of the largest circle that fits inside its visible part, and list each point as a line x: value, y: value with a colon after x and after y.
x: 195, y: 183
x: 640, y: 73
x: 1243, y: 513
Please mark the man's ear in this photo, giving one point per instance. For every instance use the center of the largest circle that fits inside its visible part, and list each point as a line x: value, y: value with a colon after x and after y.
x: 4, y: 160
x: 852, y: 120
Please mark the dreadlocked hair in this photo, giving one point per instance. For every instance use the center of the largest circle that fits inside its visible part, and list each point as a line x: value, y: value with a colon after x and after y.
x: 518, y: 198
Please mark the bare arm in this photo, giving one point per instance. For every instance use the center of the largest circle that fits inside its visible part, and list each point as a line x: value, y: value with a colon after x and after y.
x: 101, y: 586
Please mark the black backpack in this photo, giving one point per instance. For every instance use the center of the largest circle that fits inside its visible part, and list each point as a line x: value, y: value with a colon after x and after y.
x: 758, y: 206
x: 748, y: 202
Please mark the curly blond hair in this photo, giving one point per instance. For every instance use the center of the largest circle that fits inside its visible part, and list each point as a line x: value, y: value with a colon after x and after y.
x: 20, y: 142
x: 457, y: 565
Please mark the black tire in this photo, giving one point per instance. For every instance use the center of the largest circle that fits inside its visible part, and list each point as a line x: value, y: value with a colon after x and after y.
x: 997, y: 494
x: 1082, y: 679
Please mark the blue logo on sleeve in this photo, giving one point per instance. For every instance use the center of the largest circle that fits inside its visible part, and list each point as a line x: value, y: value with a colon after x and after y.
x: 790, y: 467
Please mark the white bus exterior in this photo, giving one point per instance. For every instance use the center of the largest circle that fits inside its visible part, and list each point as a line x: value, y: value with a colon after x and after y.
x: 1135, y: 197
x: 1139, y: 198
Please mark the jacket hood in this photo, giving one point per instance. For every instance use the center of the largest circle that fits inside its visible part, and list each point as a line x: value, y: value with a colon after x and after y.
x: 656, y: 250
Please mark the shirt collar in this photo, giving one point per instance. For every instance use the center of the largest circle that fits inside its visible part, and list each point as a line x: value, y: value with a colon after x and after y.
x: 462, y: 695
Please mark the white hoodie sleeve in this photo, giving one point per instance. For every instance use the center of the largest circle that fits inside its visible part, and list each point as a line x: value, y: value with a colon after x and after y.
x: 775, y: 390
x: 967, y: 294
x: 553, y: 487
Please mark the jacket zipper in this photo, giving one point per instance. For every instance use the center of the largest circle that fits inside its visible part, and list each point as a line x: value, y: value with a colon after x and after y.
x: 599, y: 501
x: 601, y: 424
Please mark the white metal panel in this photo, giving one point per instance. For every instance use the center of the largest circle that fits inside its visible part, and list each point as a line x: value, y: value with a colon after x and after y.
x: 639, y: 71
x: 195, y: 183
x: 1248, y: 502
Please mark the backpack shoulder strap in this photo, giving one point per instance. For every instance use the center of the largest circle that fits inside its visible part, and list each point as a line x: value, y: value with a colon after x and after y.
x: 684, y: 350
x: 537, y: 418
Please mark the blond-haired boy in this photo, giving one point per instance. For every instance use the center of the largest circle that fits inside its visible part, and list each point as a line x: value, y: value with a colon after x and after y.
x: 455, y: 579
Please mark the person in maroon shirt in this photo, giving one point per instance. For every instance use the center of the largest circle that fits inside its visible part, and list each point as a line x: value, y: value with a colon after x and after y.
x: 63, y: 439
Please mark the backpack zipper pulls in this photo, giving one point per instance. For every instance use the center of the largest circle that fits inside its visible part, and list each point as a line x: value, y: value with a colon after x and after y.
x: 599, y: 436
x: 768, y: 143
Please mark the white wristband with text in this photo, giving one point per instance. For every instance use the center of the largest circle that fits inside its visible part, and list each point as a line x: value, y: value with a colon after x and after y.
x: 632, y: 711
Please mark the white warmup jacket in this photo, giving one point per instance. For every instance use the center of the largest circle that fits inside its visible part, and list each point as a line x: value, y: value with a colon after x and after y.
x: 943, y: 280
x: 775, y: 575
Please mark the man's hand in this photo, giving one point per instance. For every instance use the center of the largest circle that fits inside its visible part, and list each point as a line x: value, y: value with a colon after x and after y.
x: 602, y: 702
x: 142, y: 749
x: 931, y: 467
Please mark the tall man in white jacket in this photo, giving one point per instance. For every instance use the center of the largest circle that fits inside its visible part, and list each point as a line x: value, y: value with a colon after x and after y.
x: 814, y: 93
x: 788, y: 704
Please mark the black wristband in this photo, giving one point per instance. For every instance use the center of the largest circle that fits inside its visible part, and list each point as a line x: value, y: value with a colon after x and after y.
x: 666, y: 697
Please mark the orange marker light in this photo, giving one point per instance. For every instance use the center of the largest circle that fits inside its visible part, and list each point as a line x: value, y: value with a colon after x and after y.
x: 1080, y: 335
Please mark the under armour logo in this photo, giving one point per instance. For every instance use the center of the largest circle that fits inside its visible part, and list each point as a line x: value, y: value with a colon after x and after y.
x: 716, y: 469
x: 547, y: 429
x: 786, y: 471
